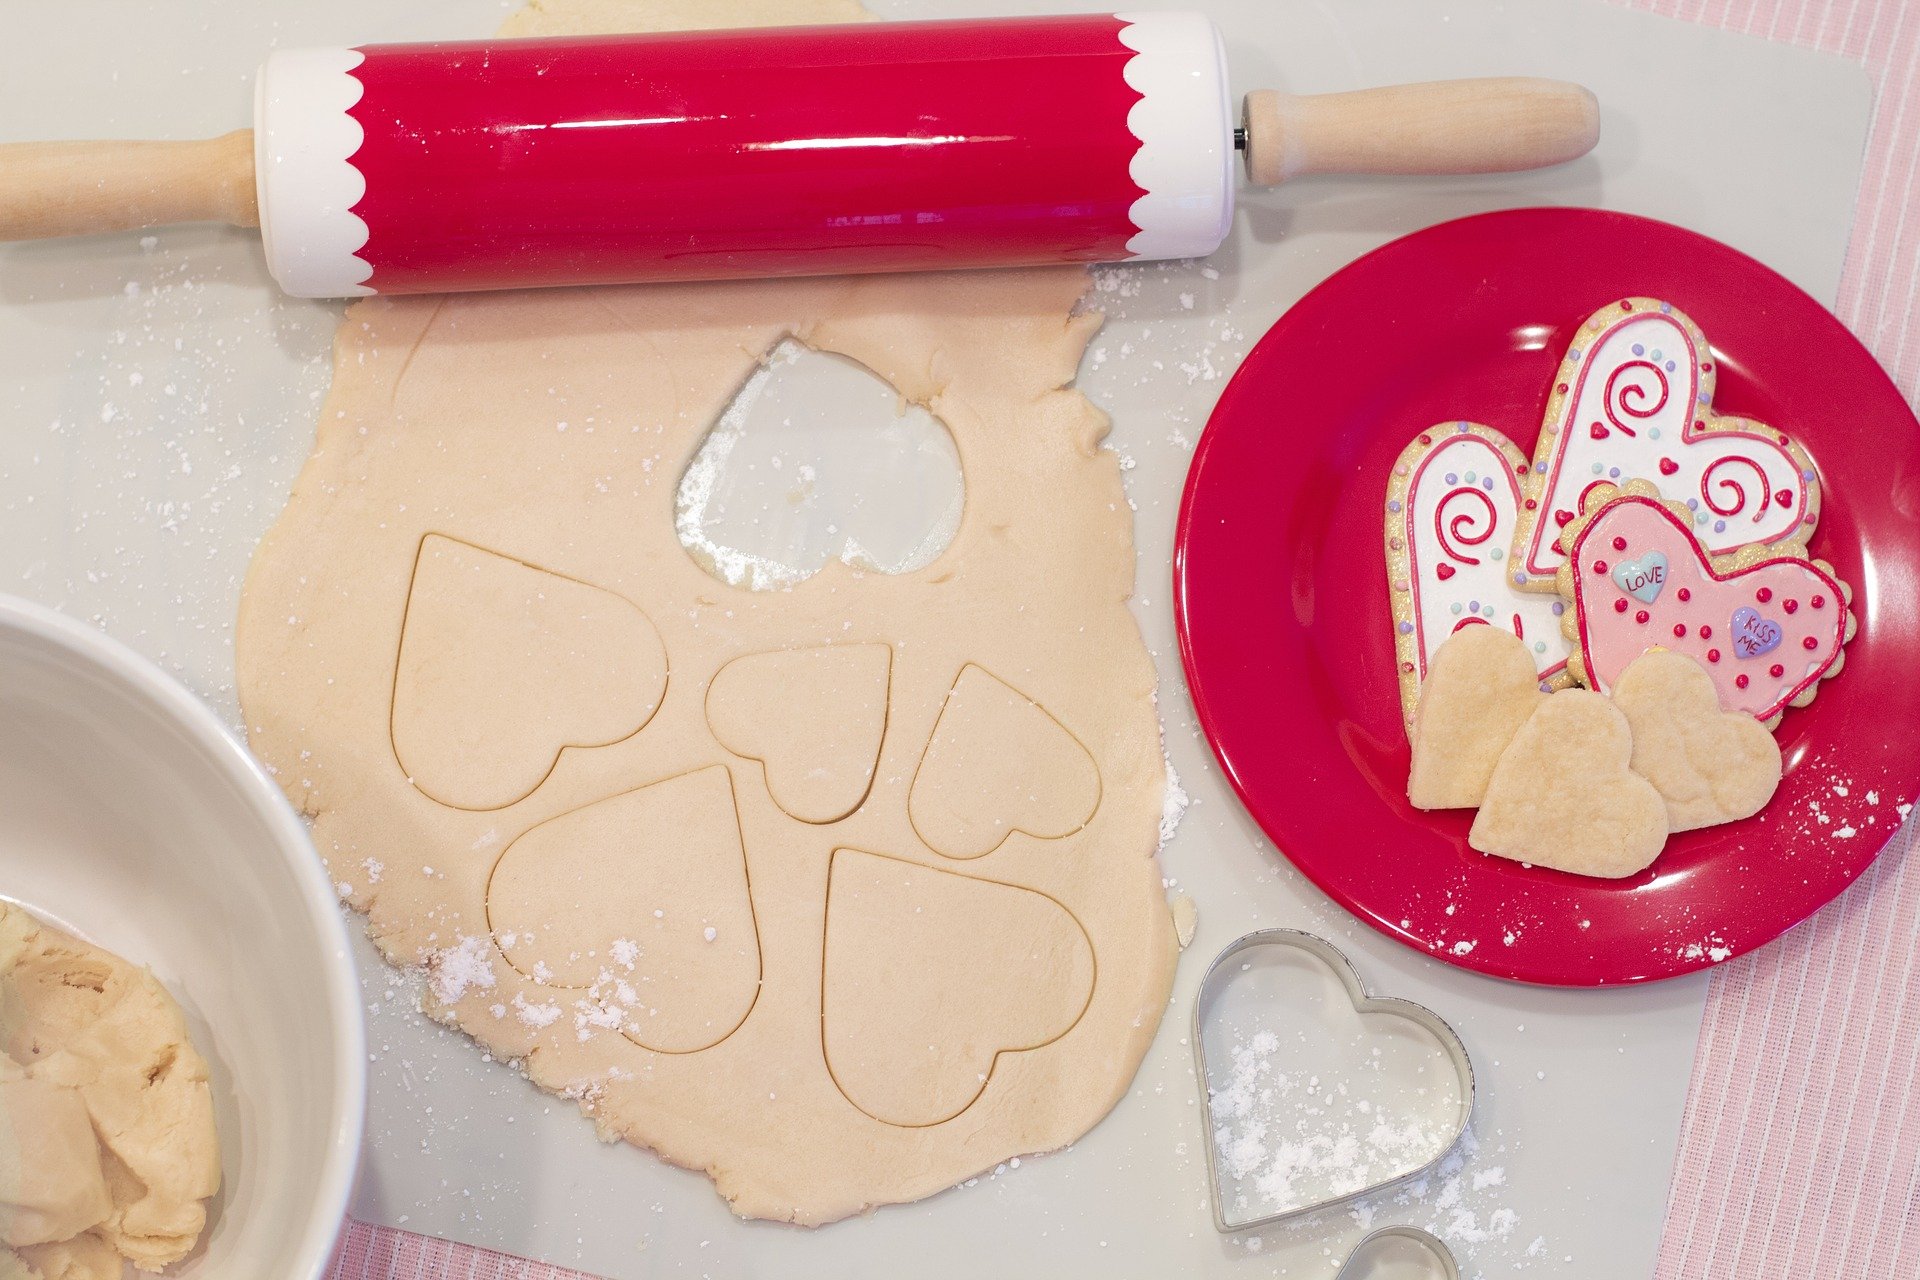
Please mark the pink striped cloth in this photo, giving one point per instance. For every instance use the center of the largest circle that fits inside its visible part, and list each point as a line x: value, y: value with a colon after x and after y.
x: 1800, y: 1144
x: 1800, y: 1147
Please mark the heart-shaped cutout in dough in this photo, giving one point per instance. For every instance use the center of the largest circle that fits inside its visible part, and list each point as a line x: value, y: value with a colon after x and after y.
x: 818, y: 458
x: 503, y: 665
x: 1564, y: 796
x: 1480, y: 688
x: 1710, y: 765
x: 814, y: 719
x: 1633, y: 399
x: 930, y: 977
x: 998, y: 763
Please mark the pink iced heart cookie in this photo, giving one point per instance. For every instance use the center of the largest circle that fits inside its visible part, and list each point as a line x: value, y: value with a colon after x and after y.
x: 1765, y: 622
x: 1452, y: 499
x: 1633, y: 399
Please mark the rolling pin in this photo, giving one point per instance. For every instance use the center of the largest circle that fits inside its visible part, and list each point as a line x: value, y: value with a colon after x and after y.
x: 909, y: 146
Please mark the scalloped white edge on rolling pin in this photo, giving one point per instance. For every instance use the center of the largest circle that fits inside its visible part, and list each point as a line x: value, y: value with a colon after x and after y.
x: 1184, y: 121
x: 303, y: 143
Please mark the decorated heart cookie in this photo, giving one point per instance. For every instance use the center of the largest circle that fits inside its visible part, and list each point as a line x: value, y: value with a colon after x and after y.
x: 1634, y: 400
x: 1765, y: 622
x: 1452, y: 498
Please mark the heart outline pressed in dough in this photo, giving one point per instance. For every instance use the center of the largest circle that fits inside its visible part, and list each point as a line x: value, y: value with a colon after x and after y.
x: 1363, y: 1003
x: 416, y: 689
x: 1009, y: 772
x: 1006, y: 891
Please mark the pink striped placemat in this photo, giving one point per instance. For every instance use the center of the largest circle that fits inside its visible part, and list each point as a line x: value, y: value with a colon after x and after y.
x: 1800, y: 1147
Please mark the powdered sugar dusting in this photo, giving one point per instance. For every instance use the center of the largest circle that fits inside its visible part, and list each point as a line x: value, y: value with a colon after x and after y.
x: 466, y: 966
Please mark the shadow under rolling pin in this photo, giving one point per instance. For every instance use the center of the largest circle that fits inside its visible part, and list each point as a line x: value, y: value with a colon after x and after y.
x: 781, y: 151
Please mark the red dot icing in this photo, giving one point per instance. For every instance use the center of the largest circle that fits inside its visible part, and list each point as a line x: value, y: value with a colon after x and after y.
x: 1599, y: 566
x: 1818, y: 602
x: 1713, y: 655
x: 1740, y: 682
x: 1763, y: 595
x: 1620, y: 605
x: 1619, y: 544
x: 1640, y: 616
x: 1531, y: 503
x: 1685, y: 595
x: 1810, y: 642
x: 1776, y: 671
x: 1791, y: 606
x: 1679, y: 629
x: 1706, y: 632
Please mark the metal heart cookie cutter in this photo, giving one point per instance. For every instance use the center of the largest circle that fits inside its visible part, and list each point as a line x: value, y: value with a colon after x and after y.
x: 1392, y: 1154
x: 1397, y: 1252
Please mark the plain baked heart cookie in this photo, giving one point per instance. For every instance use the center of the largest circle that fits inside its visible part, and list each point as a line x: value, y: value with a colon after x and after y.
x: 1634, y: 400
x: 1452, y: 500
x: 1766, y: 623
x: 1712, y: 766
x: 1480, y: 688
x: 1564, y: 796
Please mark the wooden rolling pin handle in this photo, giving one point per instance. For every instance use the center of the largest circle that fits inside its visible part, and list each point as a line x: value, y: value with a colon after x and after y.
x: 1446, y: 126
x: 80, y: 188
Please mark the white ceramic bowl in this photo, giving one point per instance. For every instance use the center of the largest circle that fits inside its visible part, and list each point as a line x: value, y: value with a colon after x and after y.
x: 129, y: 815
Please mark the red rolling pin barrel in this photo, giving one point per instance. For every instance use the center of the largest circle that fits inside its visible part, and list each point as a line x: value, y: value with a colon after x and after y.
x: 705, y: 155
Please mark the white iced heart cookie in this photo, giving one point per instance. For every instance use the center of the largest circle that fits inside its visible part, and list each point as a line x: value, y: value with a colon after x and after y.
x: 1564, y: 796
x: 1480, y: 688
x: 1712, y: 766
x: 1634, y: 400
x: 1453, y: 500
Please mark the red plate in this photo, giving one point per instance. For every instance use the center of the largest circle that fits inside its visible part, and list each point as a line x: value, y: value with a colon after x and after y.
x: 1284, y: 624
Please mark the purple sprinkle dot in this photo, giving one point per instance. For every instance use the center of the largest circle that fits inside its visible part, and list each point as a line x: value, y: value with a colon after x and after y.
x: 1473, y: 606
x: 1406, y: 628
x: 1666, y: 308
x: 1487, y: 484
x: 1613, y: 473
x: 1559, y: 607
x: 1701, y: 398
x: 1519, y: 578
x: 1452, y: 478
x: 1394, y: 505
x: 1460, y: 429
x: 1670, y: 366
x: 1639, y: 350
x: 1692, y: 503
x: 1807, y: 476
x: 1540, y: 467
x: 1719, y: 526
x: 1574, y: 354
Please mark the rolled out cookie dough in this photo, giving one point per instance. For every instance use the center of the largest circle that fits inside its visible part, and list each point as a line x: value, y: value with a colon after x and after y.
x: 650, y: 930
x: 107, y: 1145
